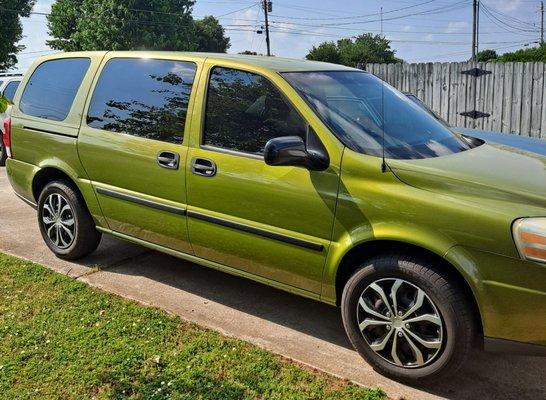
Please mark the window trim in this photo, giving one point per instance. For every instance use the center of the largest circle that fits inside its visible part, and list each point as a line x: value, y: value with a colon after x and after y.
x: 96, y: 79
x: 75, y: 96
x: 223, y: 150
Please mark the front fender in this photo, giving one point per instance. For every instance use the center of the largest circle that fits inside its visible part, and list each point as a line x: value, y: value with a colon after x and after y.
x: 366, y: 234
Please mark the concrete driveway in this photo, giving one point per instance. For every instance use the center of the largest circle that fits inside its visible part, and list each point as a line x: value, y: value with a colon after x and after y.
x: 297, y: 328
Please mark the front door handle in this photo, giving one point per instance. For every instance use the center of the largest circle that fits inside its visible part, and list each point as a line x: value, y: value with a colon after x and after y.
x: 168, y: 159
x: 203, y: 167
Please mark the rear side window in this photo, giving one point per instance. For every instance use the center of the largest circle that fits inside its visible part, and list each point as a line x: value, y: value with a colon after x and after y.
x: 52, y: 88
x: 244, y: 111
x: 11, y: 88
x: 142, y: 97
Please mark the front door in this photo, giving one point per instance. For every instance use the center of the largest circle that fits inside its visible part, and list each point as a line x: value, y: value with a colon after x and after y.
x: 273, y: 222
x: 132, y: 145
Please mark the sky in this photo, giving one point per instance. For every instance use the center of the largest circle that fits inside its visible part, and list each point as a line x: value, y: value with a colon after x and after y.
x: 419, y: 30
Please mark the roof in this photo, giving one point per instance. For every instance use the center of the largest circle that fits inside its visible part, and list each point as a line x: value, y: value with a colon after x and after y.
x: 279, y: 64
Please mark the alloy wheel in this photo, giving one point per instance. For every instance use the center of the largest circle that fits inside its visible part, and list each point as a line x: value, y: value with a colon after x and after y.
x: 58, y: 221
x: 400, y: 322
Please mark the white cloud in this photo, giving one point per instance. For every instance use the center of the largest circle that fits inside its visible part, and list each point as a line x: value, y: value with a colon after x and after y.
x: 43, y: 6
x: 505, y: 5
x: 456, y: 26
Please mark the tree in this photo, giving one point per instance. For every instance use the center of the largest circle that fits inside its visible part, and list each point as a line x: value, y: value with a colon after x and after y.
x: 249, y: 53
x: 326, y: 51
x: 366, y: 48
x: 210, y: 35
x: 534, y: 54
x: 11, y: 31
x: 132, y: 25
x: 486, y: 56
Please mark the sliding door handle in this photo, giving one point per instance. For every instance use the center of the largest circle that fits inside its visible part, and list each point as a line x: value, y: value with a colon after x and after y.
x: 203, y: 167
x: 168, y: 159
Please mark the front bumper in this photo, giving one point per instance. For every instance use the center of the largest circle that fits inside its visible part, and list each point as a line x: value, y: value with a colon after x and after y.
x: 511, y: 296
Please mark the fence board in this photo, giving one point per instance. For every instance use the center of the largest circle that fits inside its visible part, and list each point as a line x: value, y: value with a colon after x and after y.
x: 507, y: 98
x: 527, y: 93
x: 514, y: 94
x: 536, y: 102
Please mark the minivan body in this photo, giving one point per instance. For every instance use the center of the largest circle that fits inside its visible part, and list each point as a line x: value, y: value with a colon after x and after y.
x: 300, y: 175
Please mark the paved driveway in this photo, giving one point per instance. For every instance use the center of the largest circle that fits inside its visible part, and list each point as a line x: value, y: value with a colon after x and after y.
x: 297, y: 328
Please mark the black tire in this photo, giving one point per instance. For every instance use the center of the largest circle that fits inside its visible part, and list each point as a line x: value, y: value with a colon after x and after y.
x: 85, y: 237
x: 458, y: 324
x: 3, y: 154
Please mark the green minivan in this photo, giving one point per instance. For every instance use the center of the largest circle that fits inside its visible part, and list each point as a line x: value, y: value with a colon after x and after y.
x: 310, y: 177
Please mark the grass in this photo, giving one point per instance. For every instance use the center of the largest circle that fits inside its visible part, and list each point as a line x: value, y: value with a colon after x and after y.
x: 60, y: 338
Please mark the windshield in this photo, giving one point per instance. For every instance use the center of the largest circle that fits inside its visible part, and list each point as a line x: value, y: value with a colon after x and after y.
x: 358, y: 107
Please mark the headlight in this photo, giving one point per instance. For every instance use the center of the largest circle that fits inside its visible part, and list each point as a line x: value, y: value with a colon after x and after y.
x: 530, y: 238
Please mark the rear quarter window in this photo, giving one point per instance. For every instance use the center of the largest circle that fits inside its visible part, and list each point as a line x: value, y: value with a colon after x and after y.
x: 51, y: 89
x: 11, y: 88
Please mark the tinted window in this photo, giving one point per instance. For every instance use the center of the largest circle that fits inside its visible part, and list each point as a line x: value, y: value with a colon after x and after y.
x: 245, y: 110
x: 11, y: 88
x: 52, y: 88
x: 141, y: 97
x: 359, y: 109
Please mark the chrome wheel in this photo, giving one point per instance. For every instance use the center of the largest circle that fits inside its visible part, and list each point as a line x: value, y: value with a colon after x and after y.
x: 58, y: 221
x: 400, y: 322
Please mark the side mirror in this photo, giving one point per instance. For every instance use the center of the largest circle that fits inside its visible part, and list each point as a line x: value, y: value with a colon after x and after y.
x: 291, y: 151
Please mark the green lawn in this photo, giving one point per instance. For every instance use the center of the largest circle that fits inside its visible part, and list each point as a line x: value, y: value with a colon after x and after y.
x: 60, y: 338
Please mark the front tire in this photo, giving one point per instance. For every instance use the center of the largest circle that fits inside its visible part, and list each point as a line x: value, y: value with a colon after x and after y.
x: 65, y: 223
x: 407, y: 319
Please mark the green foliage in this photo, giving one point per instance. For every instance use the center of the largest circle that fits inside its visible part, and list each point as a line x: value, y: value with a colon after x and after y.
x: 210, y: 35
x: 11, y: 31
x: 486, y: 56
x: 4, y: 104
x: 326, y: 51
x: 249, y: 53
x: 366, y: 48
x: 64, y: 340
x: 132, y: 25
x: 534, y: 54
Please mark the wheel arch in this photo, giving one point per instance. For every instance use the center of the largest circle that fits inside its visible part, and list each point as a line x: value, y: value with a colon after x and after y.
x: 366, y: 250
x: 47, y: 175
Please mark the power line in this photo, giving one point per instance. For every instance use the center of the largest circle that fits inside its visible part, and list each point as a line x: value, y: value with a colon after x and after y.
x: 432, y: 11
x: 494, y: 18
x: 495, y: 48
x: 238, y: 10
x: 354, y: 16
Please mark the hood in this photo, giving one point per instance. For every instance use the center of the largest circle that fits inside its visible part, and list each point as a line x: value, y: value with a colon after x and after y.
x: 529, y: 144
x: 491, y: 171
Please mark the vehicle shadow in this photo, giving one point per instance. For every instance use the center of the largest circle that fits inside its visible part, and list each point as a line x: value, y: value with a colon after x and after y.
x: 485, y: 376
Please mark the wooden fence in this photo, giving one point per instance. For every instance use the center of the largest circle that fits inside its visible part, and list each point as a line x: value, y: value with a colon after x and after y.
x: 514, y: 94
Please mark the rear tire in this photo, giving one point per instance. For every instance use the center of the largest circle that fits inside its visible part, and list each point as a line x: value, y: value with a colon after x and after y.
x: 3, y: 153
x: 65, y: 223
x: 430, y: 342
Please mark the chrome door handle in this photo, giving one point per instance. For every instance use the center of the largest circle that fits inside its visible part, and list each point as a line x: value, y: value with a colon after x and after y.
x: 168, y: 159
x: 203, y: 167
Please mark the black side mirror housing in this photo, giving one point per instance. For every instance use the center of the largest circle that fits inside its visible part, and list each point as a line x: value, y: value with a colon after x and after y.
x: 292, y: 151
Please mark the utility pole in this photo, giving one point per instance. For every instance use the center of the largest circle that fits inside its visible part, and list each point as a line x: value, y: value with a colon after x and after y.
x: 474, y: 27
x: 541, y: 22
x: 267, y: 8
x: 381, y: 21
x: 478, y: 28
